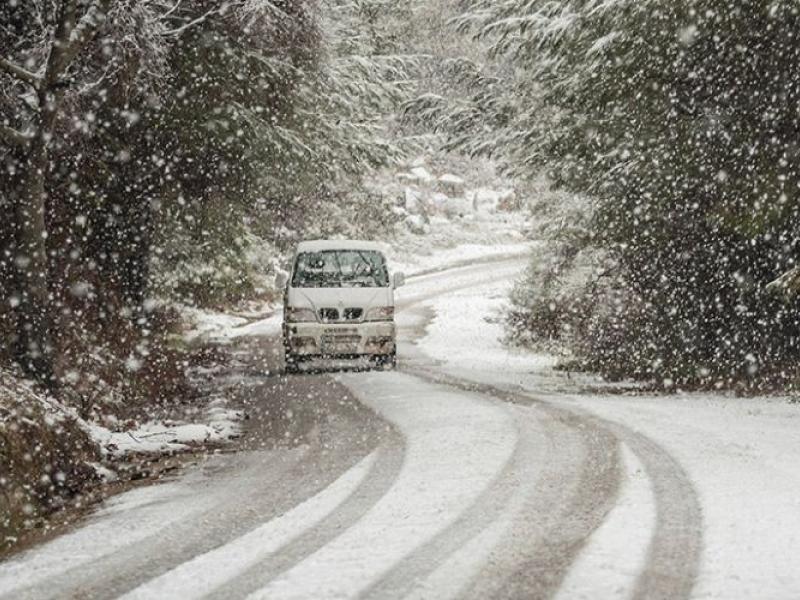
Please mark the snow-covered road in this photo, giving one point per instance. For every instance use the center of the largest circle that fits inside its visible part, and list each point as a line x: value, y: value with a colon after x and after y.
x: 474, y: 472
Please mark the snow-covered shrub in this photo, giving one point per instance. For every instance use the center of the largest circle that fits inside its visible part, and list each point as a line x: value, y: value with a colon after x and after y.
x: 210, y: 274
x: 677, y: 118
x: 554, y: 301
x: 44, y: 456
x: 350, y: 212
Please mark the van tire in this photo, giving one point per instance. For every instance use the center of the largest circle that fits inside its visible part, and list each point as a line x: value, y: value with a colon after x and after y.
x: 386, y: 361
x: 291, y: 364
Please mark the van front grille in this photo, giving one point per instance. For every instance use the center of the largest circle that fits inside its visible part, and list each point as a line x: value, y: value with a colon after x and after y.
x: 353, y: 314
x: 332, y: 315
x: 328, y: 314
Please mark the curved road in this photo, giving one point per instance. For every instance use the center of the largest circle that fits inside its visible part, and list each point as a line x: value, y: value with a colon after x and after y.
x: 430, y: 482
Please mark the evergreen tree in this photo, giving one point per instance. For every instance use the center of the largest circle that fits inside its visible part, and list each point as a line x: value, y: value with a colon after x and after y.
x: 679, y: 117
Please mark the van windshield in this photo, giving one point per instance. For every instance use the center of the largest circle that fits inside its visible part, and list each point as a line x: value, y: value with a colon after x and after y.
x: 340, y: 268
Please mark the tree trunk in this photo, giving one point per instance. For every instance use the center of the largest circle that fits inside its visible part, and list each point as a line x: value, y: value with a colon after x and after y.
x: 37, y: 352
x: 35, y: 348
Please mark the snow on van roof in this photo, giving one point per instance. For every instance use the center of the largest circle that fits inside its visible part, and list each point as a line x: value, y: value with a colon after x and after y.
x: 322, y: 245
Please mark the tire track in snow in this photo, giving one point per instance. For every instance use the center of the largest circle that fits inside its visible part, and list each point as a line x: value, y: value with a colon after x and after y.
x: 674, y: 553
x: 577, y: 486
x: 244, y: 491
x: 381, y: 477
x: 617, y: 552
x: 405, y: 577
x: 462, y: 278
x: 216, y: 573
x: 29, y: 575
x: 231, y: 516
x: 673, y: 560
x: 560, y: 517
x: 456, y: 446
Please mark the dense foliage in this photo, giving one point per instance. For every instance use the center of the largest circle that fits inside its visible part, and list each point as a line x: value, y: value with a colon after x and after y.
x: 679, y: 119
x: 150, y: 148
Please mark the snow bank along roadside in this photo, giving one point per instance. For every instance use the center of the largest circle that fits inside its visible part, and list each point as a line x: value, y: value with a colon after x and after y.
x: 51, y: 457
x: 218, y: 425
x: 45, y: 455
x: 740, y: 453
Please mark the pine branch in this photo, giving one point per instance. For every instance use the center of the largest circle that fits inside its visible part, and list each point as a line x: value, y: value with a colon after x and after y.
x: 22, y: 74
x: 12, y: 137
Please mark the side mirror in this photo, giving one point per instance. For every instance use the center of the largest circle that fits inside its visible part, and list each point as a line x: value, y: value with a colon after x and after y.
x: 281, y: 280
x: 399, y: 280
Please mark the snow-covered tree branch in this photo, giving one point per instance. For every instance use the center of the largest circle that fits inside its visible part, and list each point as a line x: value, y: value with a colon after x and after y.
x: 18, y: 72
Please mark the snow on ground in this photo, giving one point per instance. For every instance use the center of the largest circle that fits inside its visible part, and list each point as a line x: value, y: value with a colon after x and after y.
x: 740, y: 453
x: 207, y: 324
x: 220, y: 425
x: 219, y: 328
x: 456, y: 444
x: 617, y: 553
x: 211, y: 571
x: 466, y: 321
x: 108, y: 530
x: 438, y: 259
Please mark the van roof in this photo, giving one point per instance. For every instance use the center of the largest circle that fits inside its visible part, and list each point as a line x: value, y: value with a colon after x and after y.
x: 322, y: 245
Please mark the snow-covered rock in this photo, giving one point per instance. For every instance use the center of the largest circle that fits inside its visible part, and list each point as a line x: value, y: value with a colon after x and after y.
x: 486, y: 199
x: 407, y: 177
x: 413, y: 201
x: 208, y: 324
x: 164, y: 437
x: 439, y: 201
x: 508, y: 200
x: 416, y: 224
x: 458, y: 207
x: 422, y: 174
x: 451, y: 184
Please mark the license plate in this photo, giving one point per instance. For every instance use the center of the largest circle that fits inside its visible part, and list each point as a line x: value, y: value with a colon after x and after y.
x: 338, y: 349
x: 340, y: 344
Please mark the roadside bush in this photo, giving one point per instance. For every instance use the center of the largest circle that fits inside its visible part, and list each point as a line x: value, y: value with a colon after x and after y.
x: 678, y: 118
x: 43, y: 457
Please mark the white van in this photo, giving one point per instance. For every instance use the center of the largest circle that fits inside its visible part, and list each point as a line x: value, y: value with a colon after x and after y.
x: 339, y: 303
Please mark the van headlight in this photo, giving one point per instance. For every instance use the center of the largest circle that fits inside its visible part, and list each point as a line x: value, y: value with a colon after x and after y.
x: 380, y: 313
x: 300, y: 315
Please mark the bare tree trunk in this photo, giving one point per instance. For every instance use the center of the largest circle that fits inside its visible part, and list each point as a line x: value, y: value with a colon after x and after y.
x: 35, y: 348
x: 35, y: 325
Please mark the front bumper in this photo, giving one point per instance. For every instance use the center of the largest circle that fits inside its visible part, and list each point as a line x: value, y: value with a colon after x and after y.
x: 329, y: 339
